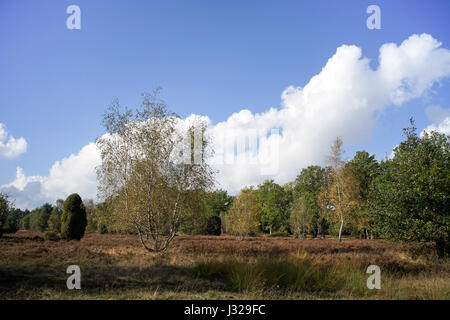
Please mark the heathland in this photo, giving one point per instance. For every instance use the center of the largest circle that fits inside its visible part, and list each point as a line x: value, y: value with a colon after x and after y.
x: 219, y: 267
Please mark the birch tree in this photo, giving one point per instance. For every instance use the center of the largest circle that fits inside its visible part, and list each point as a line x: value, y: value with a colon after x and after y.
x: 153, y: 166
x: 341, y: 196
x: 301, y: 218
x: 243, y: 217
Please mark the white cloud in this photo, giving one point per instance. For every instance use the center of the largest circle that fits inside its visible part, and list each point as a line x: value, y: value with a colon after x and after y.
x: 10, y: 147
x: 440, y: 118
x: 22, y: 181
x: 442, y: 127
x: 344, y: 100
x: 75, y: 173
x: 437, y: 114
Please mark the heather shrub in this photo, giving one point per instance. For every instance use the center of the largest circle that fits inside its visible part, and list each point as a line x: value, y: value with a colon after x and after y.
x: 51, y: 236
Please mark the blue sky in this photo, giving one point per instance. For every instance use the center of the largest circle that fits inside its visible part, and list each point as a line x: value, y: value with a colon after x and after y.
x: 211, y: 58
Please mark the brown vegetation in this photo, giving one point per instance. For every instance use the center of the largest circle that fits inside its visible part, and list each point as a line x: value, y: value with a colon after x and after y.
x: 198, y: 267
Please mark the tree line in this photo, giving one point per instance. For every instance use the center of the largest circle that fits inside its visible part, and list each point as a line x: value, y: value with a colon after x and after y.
x: 401, y: 198
x: 149, y: 186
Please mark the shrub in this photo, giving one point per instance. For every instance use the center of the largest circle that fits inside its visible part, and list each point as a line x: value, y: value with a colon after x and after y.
x: 73, y: 220
x: 278, y: 234
x: 51, y: 236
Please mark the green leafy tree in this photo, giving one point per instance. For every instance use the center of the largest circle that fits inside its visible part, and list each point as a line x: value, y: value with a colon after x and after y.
x: 11, y: 224
x: 274, y: 203
x: 301, y: 218
x: 34, y: 219
x: 307, y: 186
x: 4, y: 211
x: 54, y: 222
x: 39, y: 217
x: 365, y: 168
x: 25, y: 222
x: 13, y: 221
x: 195, y: 218
x: 217, y: 202
x: 90, y: 215
x: 410, y: 199
x: 73, y: 220
x: 103, y: 216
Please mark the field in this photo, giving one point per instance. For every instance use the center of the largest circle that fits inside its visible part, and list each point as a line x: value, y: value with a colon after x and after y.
x: 219, y: 267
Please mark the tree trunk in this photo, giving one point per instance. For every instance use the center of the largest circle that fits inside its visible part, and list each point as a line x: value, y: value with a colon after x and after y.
x: 340, y: 230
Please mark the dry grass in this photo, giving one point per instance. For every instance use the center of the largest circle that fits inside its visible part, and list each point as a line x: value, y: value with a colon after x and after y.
x: 209, y: 267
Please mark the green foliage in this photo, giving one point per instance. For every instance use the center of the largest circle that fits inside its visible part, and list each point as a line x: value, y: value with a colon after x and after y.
x: 218, y: 202
x: 34, y: 219
x: 203, y: 216
x: 13, y: 221
x: 54, y: 222
x: 274, y: 202
x: 4, y: 211
x: 195, y: 218
x: 73, y: 220
x: 13, y: 218
x: 308, y: 185
x: 90, y: 215
x: 101, y: 219
x: 365, y: 168
x: 40, y: 216
x: 10, y: 225
x: 278, y: 234
x: 244, y: 215
x: 25, y: 222
x: 51, y: 236
x: 409, y: 200
x: 302, y: 218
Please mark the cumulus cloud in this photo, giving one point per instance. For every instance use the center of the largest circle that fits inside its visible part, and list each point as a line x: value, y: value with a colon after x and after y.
x: 344, y: 99
x: 437, y: 114
x: 10, y: 147
x: 440, y: 118
x: 75, y: 173
x: 442, y: 127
